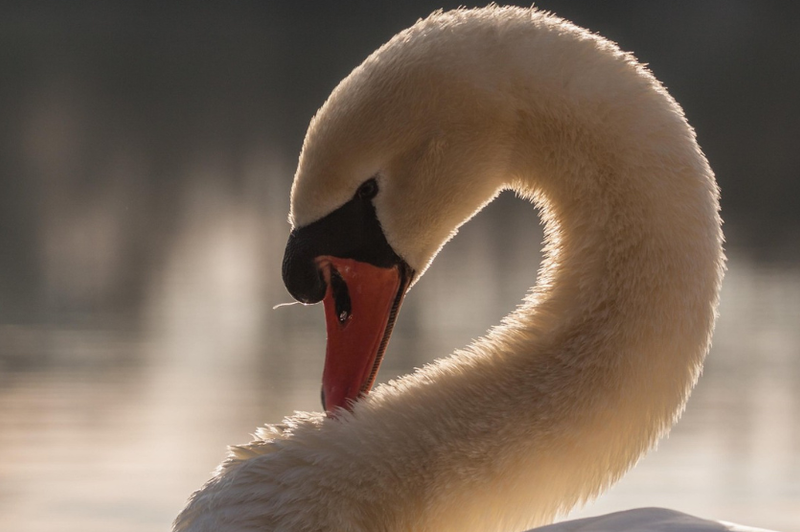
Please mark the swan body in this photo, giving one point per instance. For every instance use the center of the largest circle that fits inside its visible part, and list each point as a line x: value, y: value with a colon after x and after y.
x: 560, y: 400
x: 646, y: 520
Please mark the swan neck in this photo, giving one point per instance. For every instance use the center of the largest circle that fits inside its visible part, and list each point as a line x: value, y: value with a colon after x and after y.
x: 600, y: 359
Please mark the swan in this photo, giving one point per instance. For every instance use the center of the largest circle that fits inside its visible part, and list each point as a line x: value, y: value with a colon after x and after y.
x: 555, y: 404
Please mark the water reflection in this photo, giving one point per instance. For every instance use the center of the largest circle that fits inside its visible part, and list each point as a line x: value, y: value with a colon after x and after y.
x: 112, y: 428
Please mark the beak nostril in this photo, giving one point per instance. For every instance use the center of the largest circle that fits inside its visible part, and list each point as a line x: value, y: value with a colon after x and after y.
x: 341, y: 296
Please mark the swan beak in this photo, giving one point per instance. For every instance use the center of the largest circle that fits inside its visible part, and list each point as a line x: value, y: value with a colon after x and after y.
x: 361, y: 303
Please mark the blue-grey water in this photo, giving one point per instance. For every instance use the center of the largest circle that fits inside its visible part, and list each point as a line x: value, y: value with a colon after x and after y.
x: 105, y: 426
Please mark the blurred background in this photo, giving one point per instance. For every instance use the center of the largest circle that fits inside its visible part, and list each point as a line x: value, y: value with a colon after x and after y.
x: 146, y: 155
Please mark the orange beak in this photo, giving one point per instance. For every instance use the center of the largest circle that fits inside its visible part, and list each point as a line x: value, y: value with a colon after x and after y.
x: 361, y: 304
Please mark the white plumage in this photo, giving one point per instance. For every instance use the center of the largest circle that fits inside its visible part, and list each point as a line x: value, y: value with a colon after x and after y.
x: 559, y: 401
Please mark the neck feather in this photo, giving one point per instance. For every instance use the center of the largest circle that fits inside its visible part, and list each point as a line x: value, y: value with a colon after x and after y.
x: 560, y: 400
x: 566, y: 395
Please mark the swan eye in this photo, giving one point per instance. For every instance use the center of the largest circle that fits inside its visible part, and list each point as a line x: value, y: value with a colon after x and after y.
x: 368, y: 189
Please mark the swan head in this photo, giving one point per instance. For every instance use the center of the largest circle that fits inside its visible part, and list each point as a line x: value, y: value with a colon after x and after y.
x: 402, y: 153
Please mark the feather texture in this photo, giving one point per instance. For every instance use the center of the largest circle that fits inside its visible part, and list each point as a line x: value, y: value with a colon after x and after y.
x: 561, y: 399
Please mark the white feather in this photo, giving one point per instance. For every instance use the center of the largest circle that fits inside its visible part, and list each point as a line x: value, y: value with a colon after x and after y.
x: 559, y: 401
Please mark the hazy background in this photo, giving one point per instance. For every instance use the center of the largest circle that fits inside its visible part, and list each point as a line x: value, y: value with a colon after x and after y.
x: 146, y: 154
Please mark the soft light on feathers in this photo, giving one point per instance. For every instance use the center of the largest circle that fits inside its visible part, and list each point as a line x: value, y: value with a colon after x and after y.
x: 559, y: 401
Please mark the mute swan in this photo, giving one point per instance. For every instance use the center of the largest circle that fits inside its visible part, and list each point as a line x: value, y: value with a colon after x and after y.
x: 558, y: 402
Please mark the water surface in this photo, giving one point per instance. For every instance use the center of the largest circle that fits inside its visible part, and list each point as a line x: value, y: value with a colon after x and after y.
x: 106, y: 427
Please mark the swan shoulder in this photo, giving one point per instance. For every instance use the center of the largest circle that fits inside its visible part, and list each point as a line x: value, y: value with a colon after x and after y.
x: 646, y: 520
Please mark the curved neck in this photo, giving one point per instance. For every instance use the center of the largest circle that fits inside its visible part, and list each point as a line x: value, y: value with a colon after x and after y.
x: 560, y: 400
x: 568, y: 393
